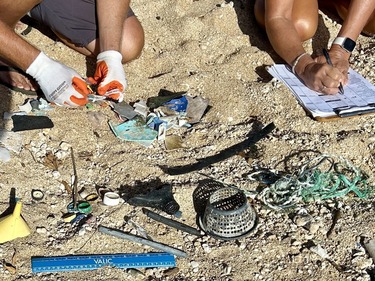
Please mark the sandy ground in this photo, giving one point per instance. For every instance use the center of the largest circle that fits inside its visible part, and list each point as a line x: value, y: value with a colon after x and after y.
x: 214, y: 50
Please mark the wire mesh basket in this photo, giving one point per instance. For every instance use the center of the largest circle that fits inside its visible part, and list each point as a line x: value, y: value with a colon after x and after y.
x: 202, y: 194
x: 228, y: 215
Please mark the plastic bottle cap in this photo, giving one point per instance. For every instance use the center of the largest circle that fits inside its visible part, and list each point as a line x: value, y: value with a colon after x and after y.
x: 91, y: 197
x: 68, y: 217
x: 37, y: 194
x: 84, y: 207
x: 111, y: 198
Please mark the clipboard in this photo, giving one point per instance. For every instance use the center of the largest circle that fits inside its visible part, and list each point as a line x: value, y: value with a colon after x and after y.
x: 359, y: 97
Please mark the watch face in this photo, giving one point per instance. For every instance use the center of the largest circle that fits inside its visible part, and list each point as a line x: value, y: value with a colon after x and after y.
x: 348, y: 44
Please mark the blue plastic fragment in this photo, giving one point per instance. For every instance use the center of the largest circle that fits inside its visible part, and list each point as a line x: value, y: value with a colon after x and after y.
x: 134, y: 130
x: 154, y: 122
x: 178, y: 105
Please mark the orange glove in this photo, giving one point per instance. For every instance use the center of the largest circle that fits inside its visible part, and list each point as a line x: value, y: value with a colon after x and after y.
x: 110, y: 75
x: 59, y: 83
x: 81, y: 87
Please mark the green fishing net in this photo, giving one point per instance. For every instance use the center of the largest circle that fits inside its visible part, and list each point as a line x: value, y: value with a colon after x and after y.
x: 324, y: 177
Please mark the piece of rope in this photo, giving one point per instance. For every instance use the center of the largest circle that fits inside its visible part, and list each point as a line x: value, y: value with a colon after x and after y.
x: 313, y: 182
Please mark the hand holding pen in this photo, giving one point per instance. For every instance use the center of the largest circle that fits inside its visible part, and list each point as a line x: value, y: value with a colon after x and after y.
x: 328, y: 59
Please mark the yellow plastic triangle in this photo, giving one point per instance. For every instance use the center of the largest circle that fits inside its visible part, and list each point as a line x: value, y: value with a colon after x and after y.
x: 13, y: 226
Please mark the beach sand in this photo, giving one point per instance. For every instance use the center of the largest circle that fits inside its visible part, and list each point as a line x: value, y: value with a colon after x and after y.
x: 214, y: 50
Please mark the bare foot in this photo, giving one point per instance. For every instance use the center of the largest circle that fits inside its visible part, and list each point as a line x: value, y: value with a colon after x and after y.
x: 20, y: 26
x: 17, y: 79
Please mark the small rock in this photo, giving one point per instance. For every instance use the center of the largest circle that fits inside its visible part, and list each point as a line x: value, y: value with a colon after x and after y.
x: 362, y: 262
x: 56, y: 174
x: 135, y: 272
x: 65, y: 146
x: 171, y: 272
x: 242, y: 246
x: 82, y: 232
x: 41, y: 230
x: 227, y: 270
x: 296, y: 243
x: 206, y: 248
x: 313, y: 227
x: 60, y: 154
x: 194, y: 264
x: 302, y: 218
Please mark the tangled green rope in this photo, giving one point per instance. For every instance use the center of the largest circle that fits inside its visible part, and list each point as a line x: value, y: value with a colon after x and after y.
x: 313, y: 182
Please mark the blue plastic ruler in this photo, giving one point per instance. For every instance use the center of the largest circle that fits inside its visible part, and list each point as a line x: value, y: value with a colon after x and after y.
x: 91, y: 262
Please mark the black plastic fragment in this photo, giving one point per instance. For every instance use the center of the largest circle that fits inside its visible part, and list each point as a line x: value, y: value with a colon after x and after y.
x: 30, y: 122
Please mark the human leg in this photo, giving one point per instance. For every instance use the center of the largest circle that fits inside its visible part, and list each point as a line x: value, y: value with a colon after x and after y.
x: 11, y: 11
x: 75, y: 23
x: 132, y: 41
x: 305, y: 16
x: 341, y: 7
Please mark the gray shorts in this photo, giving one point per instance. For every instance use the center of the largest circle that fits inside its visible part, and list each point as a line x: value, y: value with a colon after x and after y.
x: 74, y: 19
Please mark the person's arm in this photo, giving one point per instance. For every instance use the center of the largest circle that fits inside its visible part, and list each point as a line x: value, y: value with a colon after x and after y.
x: 281, y: 31
x: 111, y: 18
x: 109, y: 73
x: 59, y: 83
x: 286, y: 41
x: 359, y: 13
x: 14, y: 49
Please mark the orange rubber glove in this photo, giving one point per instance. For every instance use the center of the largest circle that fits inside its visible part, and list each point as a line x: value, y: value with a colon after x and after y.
x: 110, y: 75
x: 59, y: 83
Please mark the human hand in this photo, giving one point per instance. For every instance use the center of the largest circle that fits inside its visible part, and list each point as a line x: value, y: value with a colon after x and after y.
x: 340, y: 60
x: 59, y: 83
x: 110, y: 75
x: 321, y: 77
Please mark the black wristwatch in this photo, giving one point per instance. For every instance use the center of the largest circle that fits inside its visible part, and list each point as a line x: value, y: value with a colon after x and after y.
x: 346, y: 43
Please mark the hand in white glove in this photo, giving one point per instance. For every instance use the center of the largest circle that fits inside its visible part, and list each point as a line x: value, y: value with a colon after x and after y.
x: 110, y: 75
x: 59, y: 83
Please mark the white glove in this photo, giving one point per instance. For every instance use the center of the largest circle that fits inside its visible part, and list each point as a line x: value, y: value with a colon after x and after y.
x: 59, y: 83
x: 110, y: 75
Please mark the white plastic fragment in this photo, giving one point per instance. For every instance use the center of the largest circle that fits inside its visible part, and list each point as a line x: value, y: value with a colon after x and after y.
x: 4, y: 154
x: 141, y: 108
x: 320, y: 251
x: 8, y: 115
x: 26, y: 107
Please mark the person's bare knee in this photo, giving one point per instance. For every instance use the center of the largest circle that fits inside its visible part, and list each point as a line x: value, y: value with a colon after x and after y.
x: 305, y: 18
x: 12, y: 11
x: 306, y: 28
x: 132, y: 40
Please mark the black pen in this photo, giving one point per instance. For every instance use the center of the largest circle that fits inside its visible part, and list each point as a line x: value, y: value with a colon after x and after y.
x: 326, y: 55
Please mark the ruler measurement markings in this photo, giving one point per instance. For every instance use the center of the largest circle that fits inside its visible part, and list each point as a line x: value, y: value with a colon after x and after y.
x: 89, y: 262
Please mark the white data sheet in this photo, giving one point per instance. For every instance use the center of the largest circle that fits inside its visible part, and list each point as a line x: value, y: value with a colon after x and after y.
x: 359, y: 97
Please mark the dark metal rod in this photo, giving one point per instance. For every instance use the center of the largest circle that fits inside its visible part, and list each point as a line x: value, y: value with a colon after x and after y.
x: 172, y: 223
x: 120, y: 234
x: 75, y: 182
